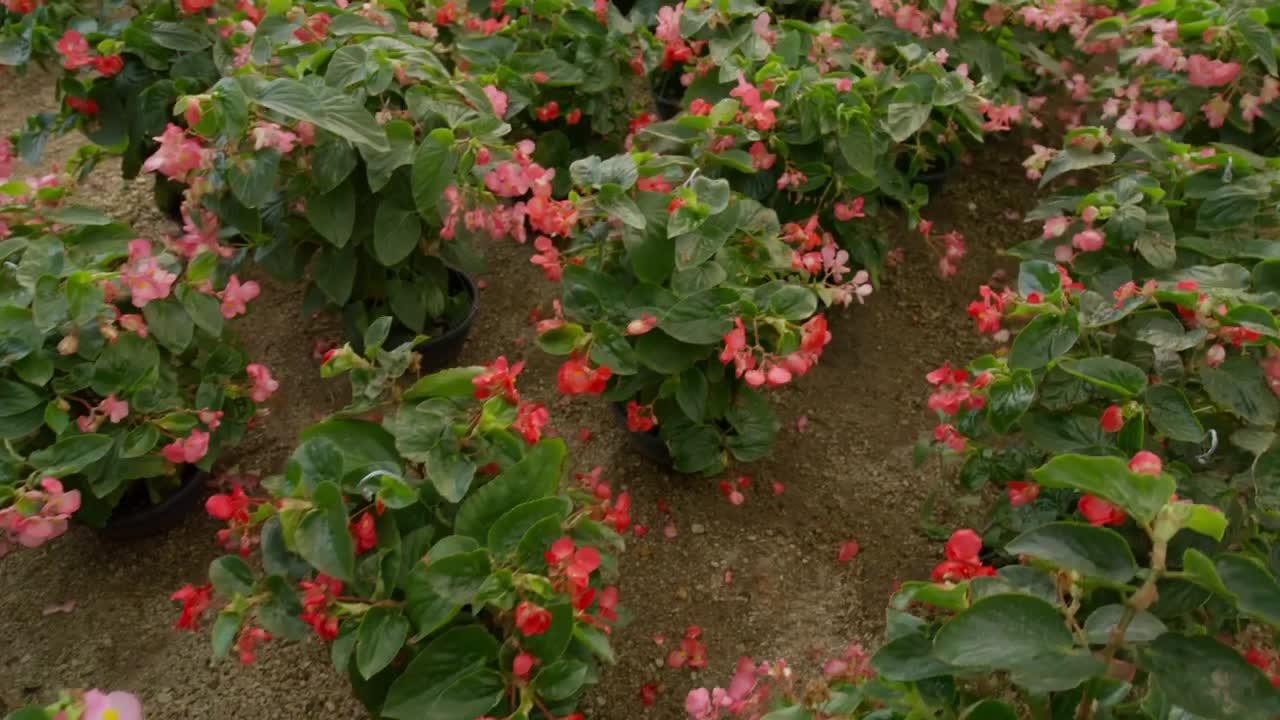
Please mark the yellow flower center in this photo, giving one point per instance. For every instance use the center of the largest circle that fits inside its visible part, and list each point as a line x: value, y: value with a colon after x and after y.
x: 110, y: 714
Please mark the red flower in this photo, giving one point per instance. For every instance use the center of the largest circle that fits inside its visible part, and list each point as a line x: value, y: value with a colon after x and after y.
x: 1146, y: 463
x: 194, y: 6
x: 314, y: 29
x: 531, y: 418
x: 640, y: 418
x: 84, y: 106
x: 964, y: 545
x: 108, y: 65
x: 364, y: 533
x: 848, y: 550
x: 608, y: 603
x: 498, y: 379
x: 648, y: 694
x: 195, y: 600
x: 248, y: 641
x: 577, y: 377
x: 74, y: 50
x: 1100, y: 512
x: 233, y: 506
x: 574, y: 117
x: 522, y: 664
x: 548, y: 112
x: 316, y: 597
x: 1021, y: 493
x: 1112, y: 419
x: 532, y: 619
x: 987, y: 311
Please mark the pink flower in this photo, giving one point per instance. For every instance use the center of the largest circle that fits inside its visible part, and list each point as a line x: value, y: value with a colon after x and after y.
x: 698, y: 704
x: 117, y: 705
x: 844, y: 84
x: 271, y: 135
x: 263, y: 384
x: 761, y: 158
x: 547, y: 258
x: 236, y: 295
x: 1214, y: 356
x: 115, y: 410
x: 1088, y: 241
x: 178, y: 154
x: 74, y: 50
x: 1203, y: 72
x: 642, y: 325
x: 1021, y: 493
x: 1250, y: 107
x: 134, y: 323
x: 849, y: 211
x: 147, y: 281
x: 522, y: 664
x: 1146, y: 463
x: 497, y: 99
x: 1055, y: 227
x: 187, y: 450
x: 531, y: 418
x: 1216, y: 110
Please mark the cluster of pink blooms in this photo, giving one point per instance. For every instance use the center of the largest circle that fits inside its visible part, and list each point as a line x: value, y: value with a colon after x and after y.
x: 768, y: 368
x: 756, y: 112
x: 235, y: 509
x: 76, y: 54
x: 143, y: 275
x: 818, y: 256
x: 37, y: 515
x: 952, y: 251
x: 952, y: 392
x: 177, y: 156
x: 747, y: 696
x: 921, y: 23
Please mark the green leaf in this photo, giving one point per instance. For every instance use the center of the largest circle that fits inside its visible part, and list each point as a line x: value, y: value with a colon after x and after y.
x: 507, y: 531
x: 1227, y: 207
x: 700, y: 319
x: 1262, y: 41
x: 1239, y: 386
x: 1002, y: 632
x: 204, y: 310
x: 550, y: 645
x: 396, y: 232
x: 1044, y: 339
x: 458, y: 577
x: 1209, y: 679
x: 334, y: 272
x: 225, y: 630
x: 451, y: 383
x: 71, y: 454
x: 1110, y: 479
x: 333, y: 214
x: 614, y: 200
x: 560, y: 679
x: 908, y: 659
x: 1074, y: 158
x: 382, y: 634
x: 904, y: 119
x: 448, y: 658
x: 857, y: 146
x: 537, y: 475
x: 324, y: 107
x: 650, y: 251
x: 169, y: 323
x: 561, y: 340
x: 17, y: 398
x: 694, y: 248
x: 1143, y: 628
x: 322, y: 537
x: 433, y: 166
x: 1171, y: 414
x: 231, y: 576
x: 450, y: 471
x: 1091, y: 551
x: 470, y: 696
x: 1108, y: 373
x: 1255, y: 590
x: 49, y: 306
x: 1009, y: 399
x: 611, y: 349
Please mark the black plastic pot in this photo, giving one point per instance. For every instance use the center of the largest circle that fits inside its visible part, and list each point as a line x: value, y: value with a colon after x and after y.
x: 649, y: 444
x: 168, y: 195
x: 933, y: 180
x: 135, y: 517
x: 667, y: 107
x: 442, y: 351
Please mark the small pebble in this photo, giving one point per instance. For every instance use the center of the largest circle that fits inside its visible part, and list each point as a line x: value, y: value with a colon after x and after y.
x: 698, y: 529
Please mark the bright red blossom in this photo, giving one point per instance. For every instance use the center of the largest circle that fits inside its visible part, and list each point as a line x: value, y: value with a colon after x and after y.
x: 1100, y: 512
x: 195, y: 600
x: 532, y: 619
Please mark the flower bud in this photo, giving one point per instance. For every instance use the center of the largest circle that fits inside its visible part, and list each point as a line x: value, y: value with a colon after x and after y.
x: 68, y: 345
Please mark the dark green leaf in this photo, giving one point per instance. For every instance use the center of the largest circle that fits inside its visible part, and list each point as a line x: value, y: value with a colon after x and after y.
x: 1094, y: 552
x: 1002, y: 632
x: 1110, y: 479
x: 382, y: 634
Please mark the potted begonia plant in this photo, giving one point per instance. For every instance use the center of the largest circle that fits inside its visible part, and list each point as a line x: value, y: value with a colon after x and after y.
x: 1203, y: 74
x: 683, y: 303
x: 121, y: 382
x: 806, y: 119
x: 120, y: 69
x: 372, y: 172
x: 435, y: 550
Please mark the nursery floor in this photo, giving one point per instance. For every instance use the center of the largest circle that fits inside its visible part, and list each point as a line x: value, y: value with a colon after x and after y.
x: 847, y: 476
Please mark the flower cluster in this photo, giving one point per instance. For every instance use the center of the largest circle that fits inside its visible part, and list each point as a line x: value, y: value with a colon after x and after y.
x: 37, y: 515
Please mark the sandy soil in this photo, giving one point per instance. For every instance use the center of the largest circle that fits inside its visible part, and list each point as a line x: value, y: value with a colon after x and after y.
x: 848, y: 476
